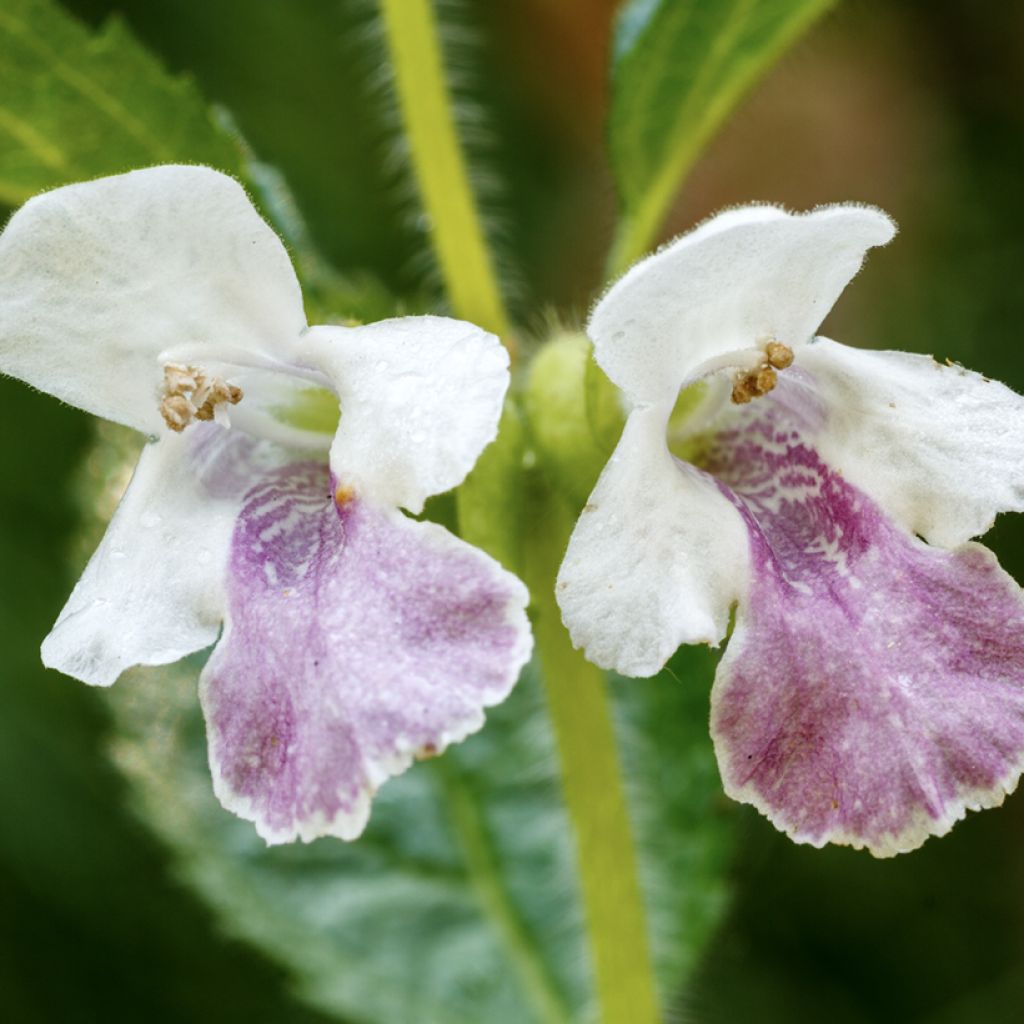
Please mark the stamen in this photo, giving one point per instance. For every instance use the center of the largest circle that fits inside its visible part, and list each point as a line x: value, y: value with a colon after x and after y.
x: 189, y: 395
x: 751, y: 384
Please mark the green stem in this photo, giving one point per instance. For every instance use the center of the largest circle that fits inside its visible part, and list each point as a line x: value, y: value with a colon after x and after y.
x: 441, y: 173
x: 580, y: 712
x: 485, y: 876
x: 576, y: 694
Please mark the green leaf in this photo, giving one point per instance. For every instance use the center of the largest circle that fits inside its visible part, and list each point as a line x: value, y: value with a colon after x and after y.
x: 460, y: 903
x: 678, y: 68
x: 75, y: 105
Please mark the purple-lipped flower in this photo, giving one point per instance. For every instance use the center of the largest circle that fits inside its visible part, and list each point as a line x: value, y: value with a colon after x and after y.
x: 872, y: 689
x: 352, y: 638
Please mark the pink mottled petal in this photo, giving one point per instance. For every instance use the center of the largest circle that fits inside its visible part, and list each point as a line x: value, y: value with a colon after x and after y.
x: 873, y: 690
x: 356, y: 639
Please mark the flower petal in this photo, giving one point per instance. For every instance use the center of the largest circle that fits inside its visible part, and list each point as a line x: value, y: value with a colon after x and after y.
x: 873, y: 689
x: 421, y: 398
x: 656, y: 559
x: 739, y: 279
x: 940, y: 448
x: 152, y: 592
x: 99, y: 280
x: 355, y: 640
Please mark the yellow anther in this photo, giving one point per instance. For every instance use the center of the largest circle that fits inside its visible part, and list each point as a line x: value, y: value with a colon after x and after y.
x: 188, y: 395
x: 780, y: 356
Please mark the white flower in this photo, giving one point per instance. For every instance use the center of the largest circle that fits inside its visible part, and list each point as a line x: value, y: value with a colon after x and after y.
x: 873, y: 687
x: 354, y: 638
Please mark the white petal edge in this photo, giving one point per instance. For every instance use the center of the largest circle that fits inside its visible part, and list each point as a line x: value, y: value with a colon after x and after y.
x: 421, y: 398
x: 153, y: 592
x: 99, y: 280
x: 656, y: 560
x: 739, y: 279
x: 940, y: 448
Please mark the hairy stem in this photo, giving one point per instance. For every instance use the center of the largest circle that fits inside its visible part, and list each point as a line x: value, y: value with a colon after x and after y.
x: 581, y: 715
x: 440, y: 168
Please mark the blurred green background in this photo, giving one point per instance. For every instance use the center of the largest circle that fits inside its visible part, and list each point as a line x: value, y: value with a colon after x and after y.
x: 917, y: 107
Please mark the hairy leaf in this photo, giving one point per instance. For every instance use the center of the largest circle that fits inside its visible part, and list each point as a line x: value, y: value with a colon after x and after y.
x: 678, y: 69
x: 460, y: 902
x: 75, y: 105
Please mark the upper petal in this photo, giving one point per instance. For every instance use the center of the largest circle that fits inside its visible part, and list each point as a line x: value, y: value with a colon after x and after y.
x: 741, y: 278
x: 873, y: 688
x: 656, y: 559
x: 420, y: 396
x: 356, y: 639
x: 99, y: 280
x: 940, y: 448
x: 153, y: 591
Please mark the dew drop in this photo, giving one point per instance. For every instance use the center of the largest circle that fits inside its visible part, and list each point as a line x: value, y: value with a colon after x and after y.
x: 151, y: 519
x: 382, y: 366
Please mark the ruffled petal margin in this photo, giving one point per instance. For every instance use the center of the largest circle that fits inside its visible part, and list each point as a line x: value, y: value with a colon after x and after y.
x: 421, y: 397
x: 743, y: 277
x: 99, y: 280
x: 873, y: 689
x: 656, y: 559
x: 355, y: 641
x: 939, y: 447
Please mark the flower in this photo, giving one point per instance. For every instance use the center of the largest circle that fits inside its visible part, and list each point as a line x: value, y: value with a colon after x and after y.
x: 873, y: 686
x: 354, y: 638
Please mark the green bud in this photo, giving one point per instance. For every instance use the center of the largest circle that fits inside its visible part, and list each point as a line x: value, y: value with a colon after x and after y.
x: 574, y: 415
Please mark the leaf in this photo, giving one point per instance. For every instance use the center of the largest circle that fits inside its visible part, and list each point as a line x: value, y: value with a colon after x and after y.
x: 679, y: 67
x: 459, y: 903
x: 75, y: 105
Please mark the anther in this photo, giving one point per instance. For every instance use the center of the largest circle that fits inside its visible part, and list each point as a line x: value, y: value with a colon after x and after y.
x: 188, y: 395
x: 764, y: 380
x: 177, y: 412
x: 751, y: 384
x: 780, y: 356
x: 741, y: 393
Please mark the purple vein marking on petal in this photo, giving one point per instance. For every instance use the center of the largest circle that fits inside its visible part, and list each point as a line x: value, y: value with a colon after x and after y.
x: 356, y: 639
x: 874, y: 687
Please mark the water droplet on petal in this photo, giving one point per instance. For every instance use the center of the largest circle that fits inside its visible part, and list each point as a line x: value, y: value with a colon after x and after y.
x: 382, y: 366
x: 151, y: 519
